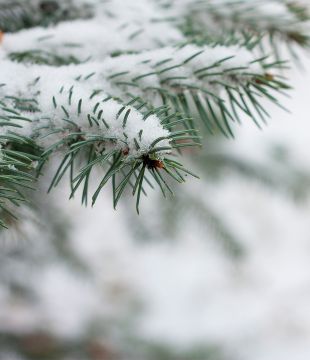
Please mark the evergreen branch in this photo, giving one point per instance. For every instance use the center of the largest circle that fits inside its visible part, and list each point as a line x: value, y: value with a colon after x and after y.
x: 114, y: 135
x: 218, y: 83
x: 210, y: 21
x: 211, y: 82
x: 125, y: 113
x: 17, y: 162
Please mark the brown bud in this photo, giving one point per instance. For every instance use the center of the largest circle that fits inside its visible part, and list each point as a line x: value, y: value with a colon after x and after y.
x: 125, y: 151
x: 158, y: 164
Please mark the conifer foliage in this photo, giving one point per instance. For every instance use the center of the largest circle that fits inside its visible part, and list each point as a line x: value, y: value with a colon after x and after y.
x: 127, y: 87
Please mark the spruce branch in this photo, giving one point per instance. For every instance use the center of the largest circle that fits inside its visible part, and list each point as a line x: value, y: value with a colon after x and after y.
x: 127, y: 101
x: 17, y: 159
x: 218, y: 83
x: 128, y: 112
x: 95, y: 130
x: 255, y: 22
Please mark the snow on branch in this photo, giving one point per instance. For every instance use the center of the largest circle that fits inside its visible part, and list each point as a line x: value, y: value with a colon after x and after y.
x: 120, y: 87
x: 212, y: 21
x: 48, y: 109
x: 217, y: 82
x: 61, y: 42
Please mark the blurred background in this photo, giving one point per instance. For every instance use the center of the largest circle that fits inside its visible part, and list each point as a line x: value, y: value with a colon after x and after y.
x: 221, y: 271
